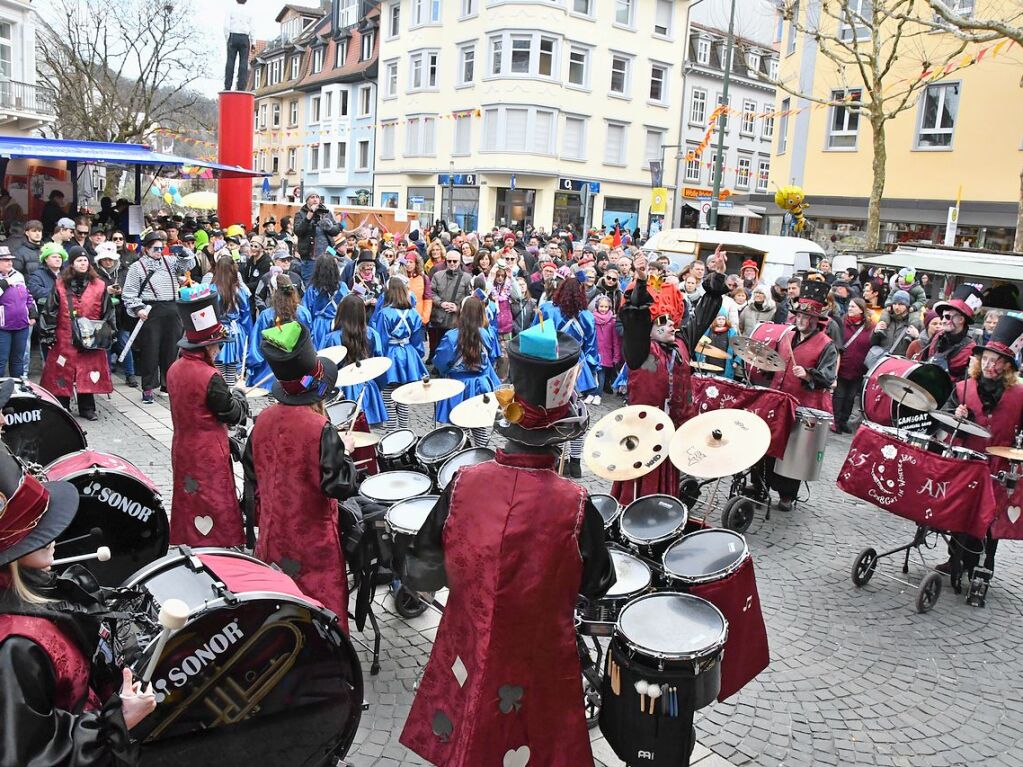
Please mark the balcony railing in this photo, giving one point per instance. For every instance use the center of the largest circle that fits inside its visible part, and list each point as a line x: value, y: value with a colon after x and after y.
x: 25, y: 97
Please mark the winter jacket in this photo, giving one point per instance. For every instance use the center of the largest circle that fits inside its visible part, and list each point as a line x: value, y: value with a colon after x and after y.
x: 609, y: 343
x: 781, y: 311
x: 752, y: 316
x: 886, y: 338
x: 916, y: 293
x: 40, y: 285
x: 26, y: 258
x: 16, y: 304
x: 315, y: 234
x: 851, y: 366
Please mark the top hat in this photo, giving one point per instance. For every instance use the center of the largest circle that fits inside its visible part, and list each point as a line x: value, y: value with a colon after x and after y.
x: 199, y: 307
x: 302, y: 377
x: 966, y: 300
x: 154, y: 236
x: 1006, y: 339
x: 813, y: 294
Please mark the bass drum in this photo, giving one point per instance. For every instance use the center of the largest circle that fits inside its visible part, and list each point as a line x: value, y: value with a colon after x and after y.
x: 260, y: 672
x: 122, y: 503
x: 38, y: 429
x: 882, y: 409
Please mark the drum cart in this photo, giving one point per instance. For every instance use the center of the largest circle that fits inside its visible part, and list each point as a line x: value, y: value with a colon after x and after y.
x: 747, y: 491
x: 929, y: 587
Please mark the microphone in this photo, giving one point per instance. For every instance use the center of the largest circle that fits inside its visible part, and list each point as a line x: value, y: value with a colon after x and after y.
x: 94, y: 533
x: 102, y: 554
x: 173, y: 616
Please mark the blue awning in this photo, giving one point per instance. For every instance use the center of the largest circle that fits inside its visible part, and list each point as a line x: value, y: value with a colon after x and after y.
x: 114, y: 154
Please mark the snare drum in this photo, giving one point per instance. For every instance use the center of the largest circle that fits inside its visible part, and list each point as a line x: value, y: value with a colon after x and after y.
x: 632, y: 579
x: 963, y: 453
x: 882, y: 409
x: 403, y: 522
x: 671, y: 640
x: 117, y: 498
x: 258, y: 664
x: 439, y: 445
x: 702, y: 557
x: 397, y: 450
x: 38, y: 429
x: 804, y: 452
x: 469, y: 457
x: 650, y: 524
x: 340, y: 413
x: 610, y: 510
x: 392, y: 486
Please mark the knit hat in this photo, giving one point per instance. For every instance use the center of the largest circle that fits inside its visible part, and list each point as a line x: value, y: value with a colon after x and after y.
x: 902, y: 297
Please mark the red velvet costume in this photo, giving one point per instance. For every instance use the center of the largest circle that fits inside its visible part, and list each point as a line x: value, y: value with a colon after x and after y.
x: 807, y: 354
x: 68, y: 369
x: 958, y: 362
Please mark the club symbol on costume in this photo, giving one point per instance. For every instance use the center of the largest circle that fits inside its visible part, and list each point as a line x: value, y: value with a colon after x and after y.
x: 442, y: 726
x: 203, y: 524
x: 191, y: 486
x: 511, y: 698
x: 459, y: 670
x: 1013, y: 513
x: 516, y: 757
x: 290, y: 567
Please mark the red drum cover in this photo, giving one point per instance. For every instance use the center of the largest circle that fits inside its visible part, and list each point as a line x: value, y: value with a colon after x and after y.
x: 778, y: 409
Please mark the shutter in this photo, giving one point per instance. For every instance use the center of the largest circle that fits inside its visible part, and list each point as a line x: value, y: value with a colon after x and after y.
x: 542, y: 132
x: 515, y: 127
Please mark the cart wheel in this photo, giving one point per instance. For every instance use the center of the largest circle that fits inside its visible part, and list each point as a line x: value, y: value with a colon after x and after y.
x: 591, y: 696
x: 738, y: 514
x: 689, y: 492
x: 408, y: 604
x: 864, y: 567
x: 930, y: 590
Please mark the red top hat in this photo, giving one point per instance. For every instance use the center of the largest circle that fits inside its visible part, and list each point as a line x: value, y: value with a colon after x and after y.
x: 966, y: 299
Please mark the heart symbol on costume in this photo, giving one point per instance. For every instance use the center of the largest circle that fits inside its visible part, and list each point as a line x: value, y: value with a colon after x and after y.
x: 204, y: 524
x: 511, y: 698
x: 516, y: 757
x: 94, y: 376
x: 442, y: 726
x: 1013, y: 513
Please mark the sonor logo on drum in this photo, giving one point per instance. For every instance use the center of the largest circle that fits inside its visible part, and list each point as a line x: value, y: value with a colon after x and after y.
x: 201, y: 657
x: 29, y: 416
x: 117, y: 501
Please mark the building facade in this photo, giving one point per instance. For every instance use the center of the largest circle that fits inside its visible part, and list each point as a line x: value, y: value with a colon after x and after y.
x: 25, y: 107
x: 522, y: 112
x: 965, y: 129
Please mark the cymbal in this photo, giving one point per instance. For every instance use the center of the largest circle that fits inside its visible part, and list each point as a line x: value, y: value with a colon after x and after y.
x: 427, y: 391
x: 364, y: 439
x: 365, y: 370
x: 706, y: 348
x: 706, y: 367
x: 907, y: 393
x: 758, y: 354
x: 335, y: 354
x: 476, y: 412
x: 254, y: 392
x: 719, y: 443
x: 1004, y: 451
x: 960, y: 425
x: 628, y: 443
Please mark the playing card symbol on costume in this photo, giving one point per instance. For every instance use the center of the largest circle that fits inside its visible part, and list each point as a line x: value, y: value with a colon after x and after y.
x: 1013, y: 513
x: 204, y: 524
x: 511, y: 698
x: 516, y: 757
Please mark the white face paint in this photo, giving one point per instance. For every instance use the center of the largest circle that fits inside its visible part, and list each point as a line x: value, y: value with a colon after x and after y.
x: 992, y: 365
x: 663, y: 334
x: 803, y: 323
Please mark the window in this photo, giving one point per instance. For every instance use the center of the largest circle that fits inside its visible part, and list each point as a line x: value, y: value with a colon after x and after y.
x: 325, y: 162
x: 363, y: 151
x: 390, y: 79
x: 257, y: 80
x: 743, y: 170
x: 662, y: 17
x: 694, y: 168
x: 768, y: 129
x: 420, y: 138
x: 317, y: 60
x: 422, y: 71
x: 790, y: 46
x: 292, y: 157
x: 856, y: 19
x: 262, y: 116
x: 314, y: 110
x: 296, y: 62
x: 843, y: 121
x: 658, y: 83
x: 518, y: 129
x: 342, y: 103
x: 275, y: 164
x: 614, y: 149
x: 394, y: 19
x: 584, y: 7
x: 341, y: 53
x: 772, y: 69
x: 276, y: 68
x: 753, y: 61
x: 546, y: 68
x: 467, y: 65
x: 573, y: 142
x: 763, y: 171
x: 387, y: 132
x: 468, y: 8
x: 623, y: 12
x: 328, y: 105
x: 342, y: 155
x: 542, y: 132
x: 347, y: 14
x: 275, y: 115
x: 749, y: 113
x: 365, y: 100
x: 496, y: 51
x: 293, y: 112
x: 314, y: 157
x: 620, y: 75
x: 652, y: 147
x: 425, y: 12
x: 367, y: 46
x: 520, y: 54
x: 528, y: 54
x: 463, y: 134
x: 938, y: 116
x: 579, y: 67
x: 698, y: 107
x: 703, y: 51
x: 783, y: 126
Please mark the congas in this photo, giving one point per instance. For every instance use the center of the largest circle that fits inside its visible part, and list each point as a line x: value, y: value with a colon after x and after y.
x: 260, y: 671
x: 38, y: 429
x: 651, y: 523
x: 392, y: 486
x: 702, y: 557
x: 123, y: 503
x: 882, y: 409
x: 632, y: 579
x: 669, y: 644
x: 403, y: 522
x: 469, y: 457
x: 804, y: 451
x: 439, y: 445
x: 397, y: 450
x: 610, y: 510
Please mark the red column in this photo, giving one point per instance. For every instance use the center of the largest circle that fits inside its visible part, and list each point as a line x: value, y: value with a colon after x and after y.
x: 234, y: 195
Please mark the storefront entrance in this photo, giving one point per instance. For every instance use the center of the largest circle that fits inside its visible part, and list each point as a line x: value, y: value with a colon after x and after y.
x: 569, y: 213
x: 515, y: 207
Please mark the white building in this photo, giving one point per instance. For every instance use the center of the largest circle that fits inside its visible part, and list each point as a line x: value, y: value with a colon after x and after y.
x: 514, y: 112
x: 24, y: 107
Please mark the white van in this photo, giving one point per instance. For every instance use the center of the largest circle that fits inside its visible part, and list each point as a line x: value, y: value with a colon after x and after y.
x: 775, y: 256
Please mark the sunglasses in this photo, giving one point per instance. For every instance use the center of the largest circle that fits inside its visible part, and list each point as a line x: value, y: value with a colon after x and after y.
x: 948, y: 316
x: 83, y: 231
x: 118, y: 239
x: 452, y: 260
x: 157, y: 248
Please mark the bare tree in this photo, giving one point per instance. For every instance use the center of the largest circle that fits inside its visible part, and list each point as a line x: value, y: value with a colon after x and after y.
x: 884, y: 57
x: 121, y: 68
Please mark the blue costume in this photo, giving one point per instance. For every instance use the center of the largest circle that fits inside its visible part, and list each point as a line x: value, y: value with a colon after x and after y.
x: 401, y: 333
x: 450, y: 364
x: 257, y: 366
x: 239, y: 327
x: 323, y: 309
x: 584, y: 330
x: 372, y: 400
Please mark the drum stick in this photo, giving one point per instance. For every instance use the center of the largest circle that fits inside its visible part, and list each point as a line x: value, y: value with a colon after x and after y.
x: 358, y: 409
x: 242, y: 388
x: 94, y: 533
x: 102, y: 554
x: 173, y: 616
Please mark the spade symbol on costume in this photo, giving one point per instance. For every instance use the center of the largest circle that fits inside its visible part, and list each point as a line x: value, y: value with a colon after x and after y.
x: 511, y: 698
x: 191, y: 486
x: 442, y: 726
x: 290, y: 567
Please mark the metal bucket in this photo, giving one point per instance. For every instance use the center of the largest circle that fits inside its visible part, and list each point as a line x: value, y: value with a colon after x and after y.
x: 804, y: 452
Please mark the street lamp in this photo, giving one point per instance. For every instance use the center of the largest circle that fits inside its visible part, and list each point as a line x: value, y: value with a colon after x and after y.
x: 722, y: 123
x: 682, y: 121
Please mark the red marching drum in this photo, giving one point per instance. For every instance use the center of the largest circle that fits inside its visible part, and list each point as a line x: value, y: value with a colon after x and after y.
x: 778, y: 409
x: 879, y: 408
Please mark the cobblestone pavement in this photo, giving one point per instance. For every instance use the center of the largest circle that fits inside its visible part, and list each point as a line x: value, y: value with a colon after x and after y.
x: 857, y: 676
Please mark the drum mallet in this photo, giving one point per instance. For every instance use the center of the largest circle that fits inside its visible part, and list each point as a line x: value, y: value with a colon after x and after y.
x: 173, y: 616
x: 102, y: 554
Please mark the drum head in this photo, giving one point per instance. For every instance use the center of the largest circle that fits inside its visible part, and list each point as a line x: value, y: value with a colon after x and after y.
x: 394, y: 486
x: 440, y: 444
x: 632, y: 575
x: 653, y: 518
x: 341, y: 412
x: 408, y: 516
x: 38, y: 430
x: 469, y: 457
x: 672, y: 626
x: 705, y: 555
x: 395, y: 443
x: 608, y: 507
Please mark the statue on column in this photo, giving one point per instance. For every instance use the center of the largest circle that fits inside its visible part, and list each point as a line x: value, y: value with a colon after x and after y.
x: 238, y: 29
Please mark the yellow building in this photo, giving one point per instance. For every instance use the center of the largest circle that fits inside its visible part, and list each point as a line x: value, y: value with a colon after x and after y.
x: 965, y: 128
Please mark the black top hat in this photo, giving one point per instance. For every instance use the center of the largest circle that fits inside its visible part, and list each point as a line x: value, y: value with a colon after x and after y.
x: 270, y: 220
x: 538, y: 424
x: 302, y: 377
x: 1006, y: 339
x: 366, y: 256
x: 966, y: 299
x: 32, y: 513
x: 813, y: 294
x: 200, y: 317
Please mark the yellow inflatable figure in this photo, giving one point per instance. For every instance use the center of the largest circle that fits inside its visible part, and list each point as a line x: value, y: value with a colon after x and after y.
x: 792, y: 200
